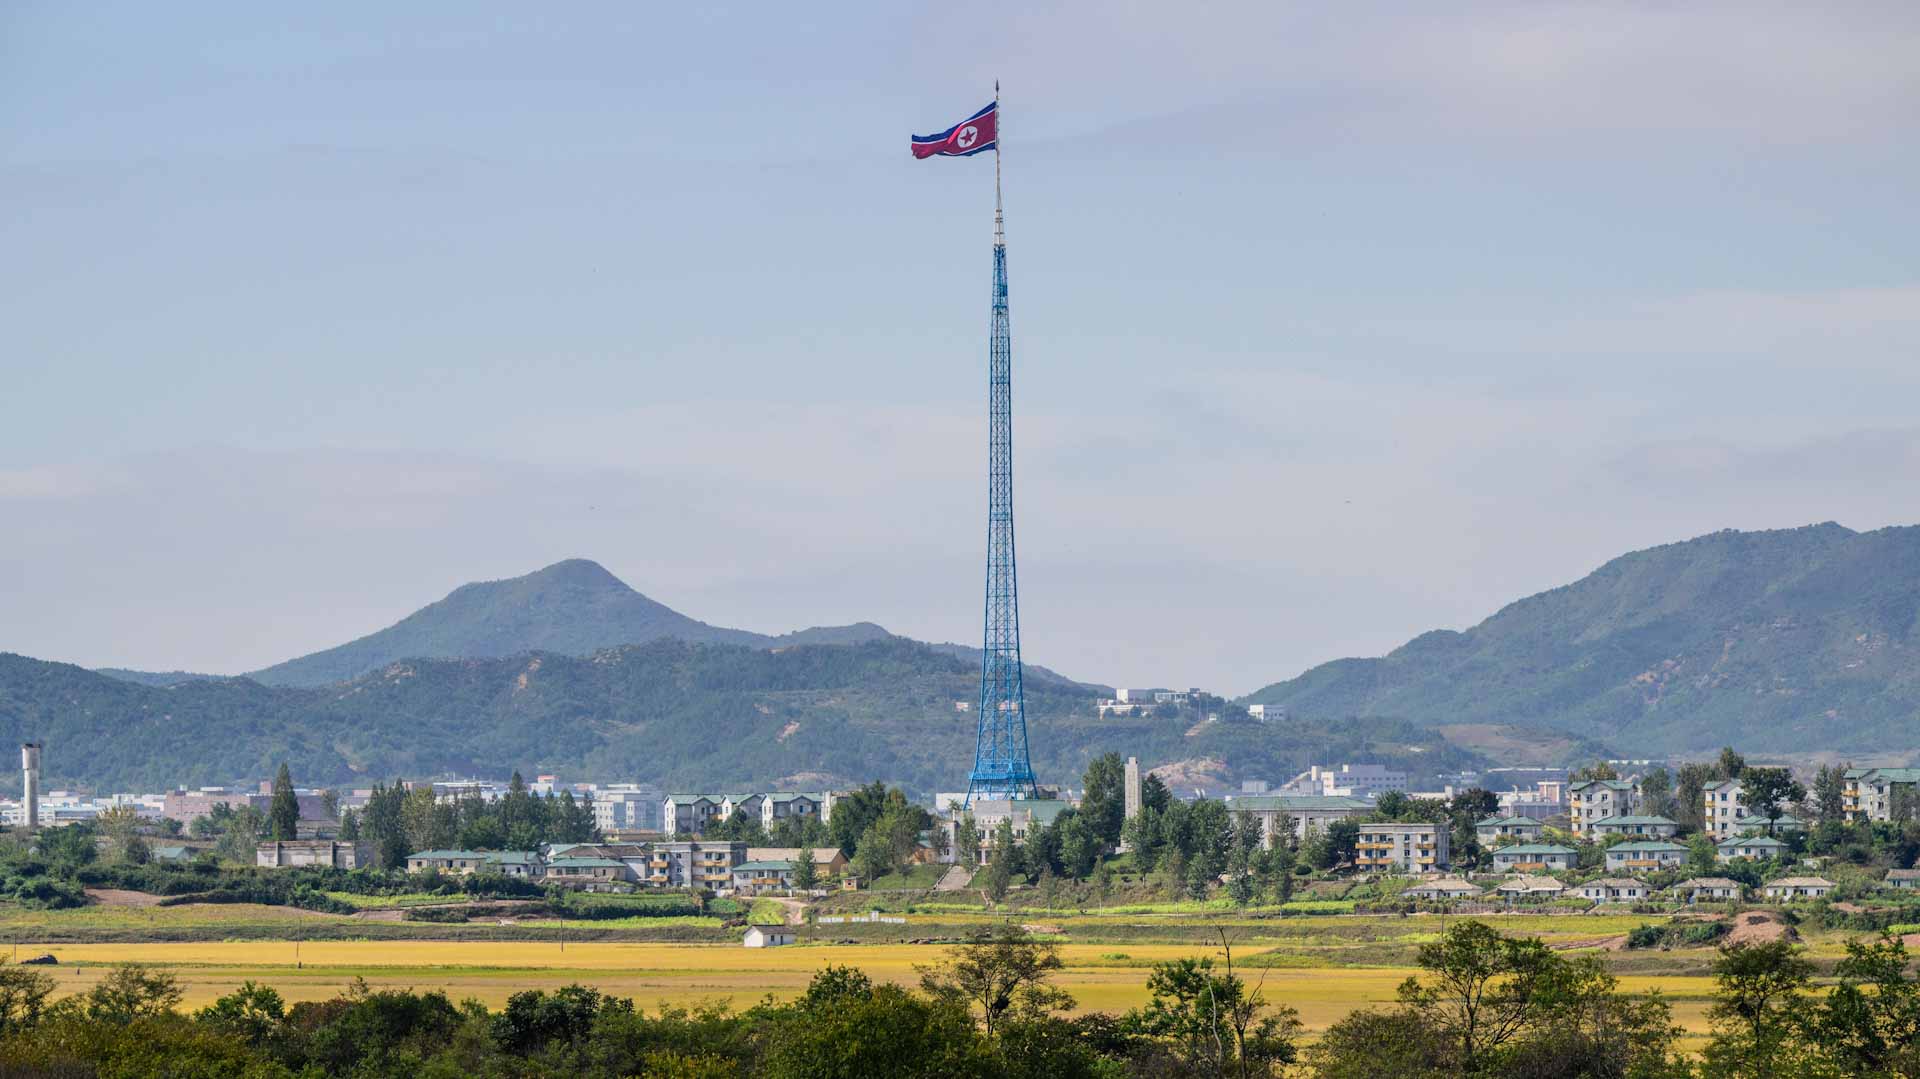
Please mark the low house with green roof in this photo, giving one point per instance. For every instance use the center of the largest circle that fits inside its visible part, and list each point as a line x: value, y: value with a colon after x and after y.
x: 752, y: 878
x: 1534, y: 857
x: 1644, y: 854
x: 1788, y: 889
x: 587, y: 872
x: 1710, y: 890
x: 458, y: 862
x: 1785, y: 822
x: 1756, y: 847
x: 1904, y: 879
x: 1634, y: 825
x: 1494, y: 829
x: 513, y: 863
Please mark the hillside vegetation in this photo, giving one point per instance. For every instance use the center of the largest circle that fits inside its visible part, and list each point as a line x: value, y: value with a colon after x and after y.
x: 684, y: 715
x: 1779, y: 641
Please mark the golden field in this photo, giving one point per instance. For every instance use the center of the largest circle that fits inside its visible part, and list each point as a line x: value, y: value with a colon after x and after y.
x: 1103, y: 977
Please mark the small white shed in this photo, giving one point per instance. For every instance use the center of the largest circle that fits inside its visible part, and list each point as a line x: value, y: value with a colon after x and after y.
x: 767, y: 936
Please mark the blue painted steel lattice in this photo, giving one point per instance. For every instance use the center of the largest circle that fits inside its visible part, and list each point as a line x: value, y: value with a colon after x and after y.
x: 1001, y: 768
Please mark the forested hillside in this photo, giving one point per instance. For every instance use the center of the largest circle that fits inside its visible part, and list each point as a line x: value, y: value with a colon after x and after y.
x: 685, y: 715
x: 1792, y: 640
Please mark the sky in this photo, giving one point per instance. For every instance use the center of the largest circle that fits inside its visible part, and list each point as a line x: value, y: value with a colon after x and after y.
x: 1332, y: 324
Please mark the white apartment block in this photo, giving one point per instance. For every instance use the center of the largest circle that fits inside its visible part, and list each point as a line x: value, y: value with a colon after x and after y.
x: 1721, y: 807
x: 1597, y: 799
x: 1347, y: 781
x: 626, y: 807
x: 1408, y: 848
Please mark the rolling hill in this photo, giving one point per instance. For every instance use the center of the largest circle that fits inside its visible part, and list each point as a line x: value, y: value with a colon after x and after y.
x: 704, y: 716
x: 1786, y: 641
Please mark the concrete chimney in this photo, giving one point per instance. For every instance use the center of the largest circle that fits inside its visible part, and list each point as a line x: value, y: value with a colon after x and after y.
x: 30, y: 785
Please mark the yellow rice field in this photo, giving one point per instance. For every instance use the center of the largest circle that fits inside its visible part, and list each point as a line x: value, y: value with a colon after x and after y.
x: 1103, y: 977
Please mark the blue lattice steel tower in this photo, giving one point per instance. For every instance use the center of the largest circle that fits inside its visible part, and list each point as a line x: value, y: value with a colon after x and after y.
x: 1001, y: 768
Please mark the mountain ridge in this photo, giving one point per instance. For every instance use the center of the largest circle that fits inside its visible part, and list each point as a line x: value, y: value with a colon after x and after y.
x: 1789, y: 638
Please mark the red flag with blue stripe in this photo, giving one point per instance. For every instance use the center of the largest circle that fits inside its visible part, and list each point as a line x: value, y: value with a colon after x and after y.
x: 975, y: 134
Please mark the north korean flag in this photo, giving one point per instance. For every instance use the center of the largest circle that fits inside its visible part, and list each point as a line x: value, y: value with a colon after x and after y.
x: 975, y: 134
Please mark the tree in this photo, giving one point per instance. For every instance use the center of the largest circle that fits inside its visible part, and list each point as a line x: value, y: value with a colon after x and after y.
x: 1869, y: 1024
x: 23, y: 996
x: 1215, y: 1023
x: 1765, y: 790
x: 1480, y: 987
x: 131, y: 991
x: 1756, y: 1015
x: 1391, y: 804
x: 1730, y: 764
x: 1154, y: 793
x: 1342, y: 835
x: 121, y: 828
x: 1703, y: 857
x: 1689, y: 786
x: 967, y: 840
x: 240, y: 834
x: 252, y: 1013
x: 349, y: 825
x: 1104, y: 805
x: 283, y: 813
x: 1001, y: 972
x: 805, y: 873
x: 1596, y: 770
x: 1830, y: 793
x: 1080, y: 846
x: 1003, y: 862
x: 1656, y: 794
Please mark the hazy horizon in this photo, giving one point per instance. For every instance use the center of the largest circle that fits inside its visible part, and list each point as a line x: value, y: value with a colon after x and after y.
x: 1329, y: 327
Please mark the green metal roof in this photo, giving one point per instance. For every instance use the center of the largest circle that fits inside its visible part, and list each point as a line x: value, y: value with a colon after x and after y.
x: 1615, y: 784
x: 1628, y: 820
x: 585, y: 863
x: 1757, y: 821
x: 1508, y: 822
x: 1894, y: 775
x: 1751, y: 841
x: 764, y: 867
x: 1290, y: 802
x: 1647, y: 845
x: 1533, y: 848
x: 513, y: 857
x: 443, y: 855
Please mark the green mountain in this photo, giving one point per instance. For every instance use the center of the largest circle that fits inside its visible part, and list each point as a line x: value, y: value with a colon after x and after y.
x: 1783, y: 641
x: 573, y: 607
x: 704, y: 716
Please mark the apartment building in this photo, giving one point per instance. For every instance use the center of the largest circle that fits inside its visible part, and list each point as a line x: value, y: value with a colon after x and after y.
x: 1597, y: 799
x: 689, y: 814
x: 694, y: 864
x: 785, y: 805
x: 1347, y: 781
x: 1404, y: 848
x: 1023, y: 816
x: 1303, y: 810
x: 1722, y: 806
x: 627, y: 807
x: 1874, y: 792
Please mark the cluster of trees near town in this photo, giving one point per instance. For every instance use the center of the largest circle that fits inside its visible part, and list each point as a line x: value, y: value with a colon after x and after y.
x: 1482, y: 1004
